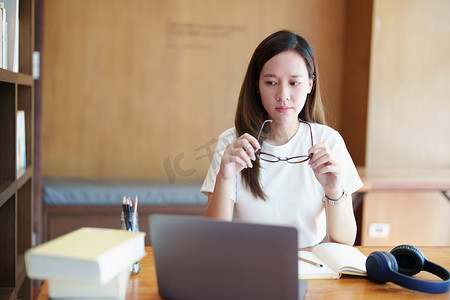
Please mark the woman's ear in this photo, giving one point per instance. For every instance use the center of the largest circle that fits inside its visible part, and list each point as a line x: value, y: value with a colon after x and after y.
x: 311, y: 83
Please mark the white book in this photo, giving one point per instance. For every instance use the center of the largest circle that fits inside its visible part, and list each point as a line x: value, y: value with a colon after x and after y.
x: 10, y: 35
x: 21, y: 149
x: 336, y: 259
x: 14, y: 48
x: 87, y: 254
x: 77, y: 289
x: 3, y: 37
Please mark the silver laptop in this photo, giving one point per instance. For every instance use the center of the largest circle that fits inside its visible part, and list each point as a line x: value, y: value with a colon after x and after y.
x: 198, y: 258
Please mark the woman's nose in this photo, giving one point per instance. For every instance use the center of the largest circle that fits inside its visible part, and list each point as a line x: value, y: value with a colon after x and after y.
x: 282, y: 93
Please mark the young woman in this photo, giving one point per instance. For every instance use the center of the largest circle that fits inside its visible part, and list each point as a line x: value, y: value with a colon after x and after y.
x: 281, y: 164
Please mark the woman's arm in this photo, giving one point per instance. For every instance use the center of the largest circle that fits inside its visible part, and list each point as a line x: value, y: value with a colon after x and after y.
x: 341, y: 223
x: 220, y: 205
x: 237, y: 156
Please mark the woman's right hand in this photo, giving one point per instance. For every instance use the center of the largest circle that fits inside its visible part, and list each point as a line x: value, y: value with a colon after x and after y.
x: 238, y: 156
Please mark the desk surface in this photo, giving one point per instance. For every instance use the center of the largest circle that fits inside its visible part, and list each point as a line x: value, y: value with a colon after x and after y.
x: 144, y: 286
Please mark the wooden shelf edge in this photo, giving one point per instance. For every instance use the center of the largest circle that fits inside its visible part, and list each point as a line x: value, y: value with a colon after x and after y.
x: 13, y: 77
x: 7, y: 189
x: 25, y: 79
x: 21, y: 273
x: 7, y: 293
x: 8, y: 76
x: 25, y: 177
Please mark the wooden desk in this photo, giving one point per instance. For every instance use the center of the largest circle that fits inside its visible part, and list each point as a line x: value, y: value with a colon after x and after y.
x: 144, y: 286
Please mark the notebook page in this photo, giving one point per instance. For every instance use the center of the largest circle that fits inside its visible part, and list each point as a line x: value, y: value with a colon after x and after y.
x: 340, y: 257
x: 309, y: 271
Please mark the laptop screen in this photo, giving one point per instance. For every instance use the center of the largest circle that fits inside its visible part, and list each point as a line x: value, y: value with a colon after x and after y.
x: 199, y: 258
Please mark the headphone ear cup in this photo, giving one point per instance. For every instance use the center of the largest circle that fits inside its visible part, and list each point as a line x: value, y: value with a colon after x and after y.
x: 410, y: 260
x: 379, y: 265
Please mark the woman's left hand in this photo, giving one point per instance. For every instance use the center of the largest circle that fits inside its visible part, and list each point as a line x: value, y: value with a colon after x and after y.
x: 326, y: 169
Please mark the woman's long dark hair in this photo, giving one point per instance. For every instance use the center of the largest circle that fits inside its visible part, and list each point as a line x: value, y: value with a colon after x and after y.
x: 250, y: 113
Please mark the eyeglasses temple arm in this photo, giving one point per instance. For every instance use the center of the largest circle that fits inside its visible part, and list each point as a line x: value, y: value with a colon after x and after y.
x: 259, y: 134
x: 310, y: 131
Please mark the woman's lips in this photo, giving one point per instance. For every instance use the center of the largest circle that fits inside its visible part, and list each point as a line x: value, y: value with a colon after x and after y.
x: 283, y: 109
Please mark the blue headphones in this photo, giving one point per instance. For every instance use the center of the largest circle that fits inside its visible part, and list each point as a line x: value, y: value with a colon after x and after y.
x: 400, y: 264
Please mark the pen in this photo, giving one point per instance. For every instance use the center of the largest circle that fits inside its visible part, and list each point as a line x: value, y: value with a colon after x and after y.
x: 310, y: 262
x: 124, y: 206
x: 135, y: 204
x: 130, y: 211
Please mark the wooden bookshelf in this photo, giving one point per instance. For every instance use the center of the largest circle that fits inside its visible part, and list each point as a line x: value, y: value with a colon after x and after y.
x: 16, y: 190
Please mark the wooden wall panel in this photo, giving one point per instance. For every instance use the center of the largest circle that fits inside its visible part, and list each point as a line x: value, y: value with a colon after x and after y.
x: 418, y: 218
x: 129, y: 85
x: 355, y: 92
x: 408, y: 120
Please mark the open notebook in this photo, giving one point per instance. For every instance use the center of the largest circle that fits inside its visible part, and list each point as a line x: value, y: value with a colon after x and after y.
x: 336, y: 259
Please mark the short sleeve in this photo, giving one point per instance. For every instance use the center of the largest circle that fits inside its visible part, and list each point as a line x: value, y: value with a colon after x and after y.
x: 225, y: 139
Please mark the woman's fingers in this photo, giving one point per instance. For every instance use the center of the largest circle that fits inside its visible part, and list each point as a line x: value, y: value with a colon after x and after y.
x: 251, y: 140
x: 248, y: 148
x: 327, y: 168
x: 249, y: 145
x: 322, y: 160
x: 319, y: 153
x: 242, y: 151
x: 239, y: 154
x: 242, y: 163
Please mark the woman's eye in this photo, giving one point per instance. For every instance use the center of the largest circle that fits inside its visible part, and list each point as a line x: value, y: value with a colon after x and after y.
x: 270, y: 82
x: 295, y: 83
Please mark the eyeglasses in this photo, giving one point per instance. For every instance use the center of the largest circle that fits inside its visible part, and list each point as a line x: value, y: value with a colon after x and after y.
x: 273, y: 158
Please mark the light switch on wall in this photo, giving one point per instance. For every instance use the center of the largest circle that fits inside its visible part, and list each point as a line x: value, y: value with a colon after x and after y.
x: 379, y: 230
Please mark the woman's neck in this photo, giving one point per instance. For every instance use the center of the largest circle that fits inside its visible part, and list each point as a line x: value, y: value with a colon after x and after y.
x: 281, y: 133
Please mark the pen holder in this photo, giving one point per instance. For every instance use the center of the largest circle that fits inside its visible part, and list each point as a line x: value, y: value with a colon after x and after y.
x: 130, y: 222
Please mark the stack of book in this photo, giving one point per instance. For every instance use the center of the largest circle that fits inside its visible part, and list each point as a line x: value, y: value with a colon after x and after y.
x: 86, y: 263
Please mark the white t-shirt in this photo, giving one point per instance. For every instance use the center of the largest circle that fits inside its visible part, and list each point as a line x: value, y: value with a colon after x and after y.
x: 294, y: 194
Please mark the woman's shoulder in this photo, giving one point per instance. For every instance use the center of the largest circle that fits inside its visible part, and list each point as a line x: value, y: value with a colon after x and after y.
x: 229, y: 135
x: 322, y: 128
x: 325, y: 131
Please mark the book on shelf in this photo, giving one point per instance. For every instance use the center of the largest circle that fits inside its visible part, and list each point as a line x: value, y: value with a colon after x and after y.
x: 14, y: 47
x: 21, y: 149
x: 9, y: 35
x: 335, y: 259
x: 95, y: 255
x: 3, y: 37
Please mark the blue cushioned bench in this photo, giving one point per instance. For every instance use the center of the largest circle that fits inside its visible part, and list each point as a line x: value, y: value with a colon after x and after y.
x: 73, y: 203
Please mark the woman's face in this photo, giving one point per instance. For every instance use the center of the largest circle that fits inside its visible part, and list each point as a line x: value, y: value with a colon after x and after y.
x: 284, y: 84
